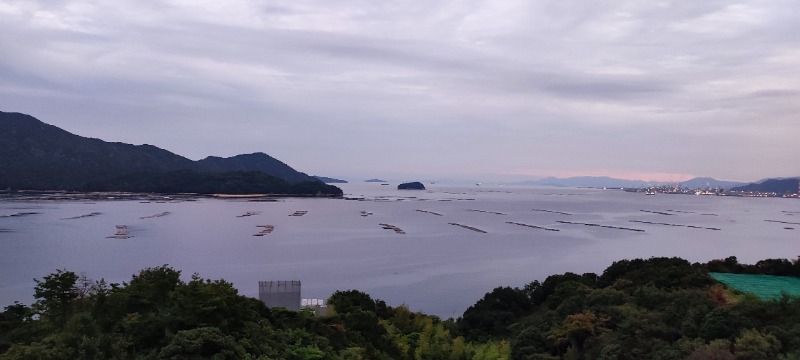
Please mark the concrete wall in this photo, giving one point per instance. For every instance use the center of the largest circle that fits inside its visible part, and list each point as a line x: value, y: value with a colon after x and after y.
x: 280, y: 294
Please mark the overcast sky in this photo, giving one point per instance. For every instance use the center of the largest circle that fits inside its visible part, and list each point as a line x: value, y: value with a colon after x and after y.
x: 496, y: 89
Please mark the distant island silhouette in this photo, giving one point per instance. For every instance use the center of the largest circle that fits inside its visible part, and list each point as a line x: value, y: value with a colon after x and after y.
x: 416, y: 185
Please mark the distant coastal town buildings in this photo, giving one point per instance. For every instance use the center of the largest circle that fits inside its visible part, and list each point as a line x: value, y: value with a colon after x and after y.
x: 785, y: 188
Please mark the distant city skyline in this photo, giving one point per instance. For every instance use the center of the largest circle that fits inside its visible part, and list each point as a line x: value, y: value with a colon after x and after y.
x: 461, y: 90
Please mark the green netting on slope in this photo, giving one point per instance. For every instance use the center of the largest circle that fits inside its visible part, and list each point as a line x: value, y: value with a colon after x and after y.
x: 765, y: 287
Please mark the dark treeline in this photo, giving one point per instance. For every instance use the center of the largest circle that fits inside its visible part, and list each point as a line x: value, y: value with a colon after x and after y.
x: 188, y: 181
x: 191, y: 181
x: 659, y: 308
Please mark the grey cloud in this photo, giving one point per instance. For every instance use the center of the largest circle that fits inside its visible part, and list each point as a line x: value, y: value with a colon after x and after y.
x: 776, y: 94
x: 489, y: 86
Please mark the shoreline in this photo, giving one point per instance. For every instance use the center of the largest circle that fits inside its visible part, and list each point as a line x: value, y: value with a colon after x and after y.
x: 63, y: 195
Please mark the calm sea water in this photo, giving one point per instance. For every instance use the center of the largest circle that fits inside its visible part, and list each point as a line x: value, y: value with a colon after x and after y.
x: 435, y: 267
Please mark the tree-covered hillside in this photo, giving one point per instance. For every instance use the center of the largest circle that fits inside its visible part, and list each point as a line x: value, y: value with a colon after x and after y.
x: 38, y: 156
x: 156, y: 315
x: 659, y: 308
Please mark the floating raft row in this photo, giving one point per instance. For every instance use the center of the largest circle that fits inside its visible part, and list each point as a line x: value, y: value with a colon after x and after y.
x: 265, y: 229
x: 299, y: 213
x: 602, y: 226
x: 365, y: 213
x: 657, y: 212
x: 122, y: 233
x: 690, y: 212
x: 392, y: 227
x: 677, y: 225
x: 531, y: 226
x: 487, y: 212
x: 469, y: 228
x: 20, y: 214
x: 552, y: 211
x: 249, y: 213
x: 156, y: 215
x: 783, y: 222
x: 430, y: 212
x: 82, y: 216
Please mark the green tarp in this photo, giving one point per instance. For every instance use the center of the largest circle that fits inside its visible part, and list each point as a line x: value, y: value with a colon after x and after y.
x: 767, y: 287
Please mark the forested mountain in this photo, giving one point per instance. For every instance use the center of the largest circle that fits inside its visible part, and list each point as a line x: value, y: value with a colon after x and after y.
x: 35, y: 155
x: 38, y: 156
x: 658, y: 308
x: 253, y: 162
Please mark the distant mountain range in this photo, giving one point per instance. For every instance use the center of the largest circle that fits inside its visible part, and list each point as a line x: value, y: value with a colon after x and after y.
x: 38, y: 156
x: 608, y: 182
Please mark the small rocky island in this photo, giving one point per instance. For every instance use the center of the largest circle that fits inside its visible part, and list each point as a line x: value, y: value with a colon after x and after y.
x: 411, y: 186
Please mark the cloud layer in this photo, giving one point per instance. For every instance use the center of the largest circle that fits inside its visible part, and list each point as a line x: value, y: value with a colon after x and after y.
x: 437, y: 89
